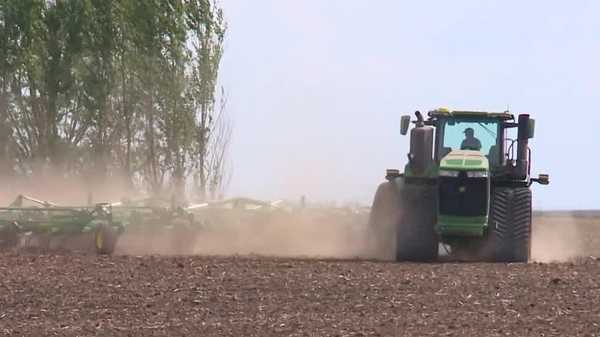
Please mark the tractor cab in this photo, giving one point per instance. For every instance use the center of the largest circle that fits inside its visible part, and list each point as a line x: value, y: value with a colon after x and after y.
x: 470, y: 134
x: 474, y: 140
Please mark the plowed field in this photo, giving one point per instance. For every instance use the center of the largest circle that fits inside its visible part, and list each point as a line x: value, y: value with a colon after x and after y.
x: 86, y: 295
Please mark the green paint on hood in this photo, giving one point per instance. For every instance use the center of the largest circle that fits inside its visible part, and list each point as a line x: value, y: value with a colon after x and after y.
x: 464, y: 160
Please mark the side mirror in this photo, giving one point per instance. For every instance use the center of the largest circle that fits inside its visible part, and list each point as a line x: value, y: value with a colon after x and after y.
x: 531, y: 128
x: 404, y: 124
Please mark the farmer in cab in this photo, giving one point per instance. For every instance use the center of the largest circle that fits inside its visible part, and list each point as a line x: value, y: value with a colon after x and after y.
x: 470, y: 142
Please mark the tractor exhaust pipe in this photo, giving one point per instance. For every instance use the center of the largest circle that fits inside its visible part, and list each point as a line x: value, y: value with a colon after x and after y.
x: 420, y: 156
x: 522, y: 168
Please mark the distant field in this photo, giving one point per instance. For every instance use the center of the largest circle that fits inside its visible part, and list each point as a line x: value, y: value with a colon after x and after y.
x: 574, y: 213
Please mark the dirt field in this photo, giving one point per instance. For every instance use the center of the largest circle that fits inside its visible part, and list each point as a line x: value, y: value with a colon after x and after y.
x: 70, y: 295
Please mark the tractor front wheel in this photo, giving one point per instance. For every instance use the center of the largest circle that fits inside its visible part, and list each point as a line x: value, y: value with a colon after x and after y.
x: 403, y: 217
x: 383, y: 219
x: 510, y: 224
x: 416, y: 237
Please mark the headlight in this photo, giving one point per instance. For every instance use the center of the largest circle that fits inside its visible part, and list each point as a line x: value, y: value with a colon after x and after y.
x: 470, y: 174
x: 477, y: 174
x: 446, y: 173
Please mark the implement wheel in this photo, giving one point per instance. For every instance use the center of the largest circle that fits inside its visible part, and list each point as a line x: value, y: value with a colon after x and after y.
x: 9, y: 235
x: 105, y: 239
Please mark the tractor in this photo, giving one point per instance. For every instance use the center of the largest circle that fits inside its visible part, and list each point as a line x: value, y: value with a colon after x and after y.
x: 465, y: 189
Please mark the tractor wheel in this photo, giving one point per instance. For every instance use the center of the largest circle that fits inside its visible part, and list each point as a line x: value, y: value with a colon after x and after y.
x: 105, y: 239
x: 383, y: 219
x: 510, y: 224
x: 416, y: 239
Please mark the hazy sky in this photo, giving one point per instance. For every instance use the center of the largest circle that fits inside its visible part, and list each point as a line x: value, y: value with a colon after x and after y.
x: 316, y: 88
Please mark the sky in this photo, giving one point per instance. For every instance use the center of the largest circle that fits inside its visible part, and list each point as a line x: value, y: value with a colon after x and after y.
x: 316, y: 89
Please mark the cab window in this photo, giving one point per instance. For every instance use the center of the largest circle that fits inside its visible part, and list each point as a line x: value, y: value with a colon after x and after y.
x: 471, y: 135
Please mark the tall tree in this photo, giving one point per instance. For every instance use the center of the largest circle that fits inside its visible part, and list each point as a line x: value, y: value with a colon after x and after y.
x: 207, y: 32
x: 103, y: 88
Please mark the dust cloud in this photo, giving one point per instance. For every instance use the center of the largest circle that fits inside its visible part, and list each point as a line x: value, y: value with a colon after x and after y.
x: 554, y: 239
x: 55, y: 187
x: 325, y: 232
x: 564, y: 238
x: 290, y: 235
x: 312, y: 233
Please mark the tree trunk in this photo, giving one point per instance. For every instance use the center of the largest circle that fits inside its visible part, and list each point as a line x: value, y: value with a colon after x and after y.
x: 6, y: 171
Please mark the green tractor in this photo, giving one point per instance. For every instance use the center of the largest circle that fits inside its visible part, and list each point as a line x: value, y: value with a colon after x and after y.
x: 466, y: 186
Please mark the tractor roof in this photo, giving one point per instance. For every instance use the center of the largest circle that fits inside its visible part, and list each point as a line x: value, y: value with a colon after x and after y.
x: 444, y: 112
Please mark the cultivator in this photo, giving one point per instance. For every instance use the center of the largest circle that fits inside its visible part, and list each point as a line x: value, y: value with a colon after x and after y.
x: 155, y: 222
x: 32, y: 223
x: 235, y: 212
x: 47, y: 226
x: 148, y: 225
x: 244, y: 212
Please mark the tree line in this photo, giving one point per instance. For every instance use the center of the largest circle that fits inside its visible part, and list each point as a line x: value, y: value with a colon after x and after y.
x: 114, y: 88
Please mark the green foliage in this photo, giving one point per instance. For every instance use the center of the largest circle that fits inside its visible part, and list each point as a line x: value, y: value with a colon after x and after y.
x: 113, y: 87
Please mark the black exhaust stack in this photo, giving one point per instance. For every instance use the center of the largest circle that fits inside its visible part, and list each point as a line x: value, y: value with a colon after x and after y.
x: 421, y: 146
x: 522, y: 168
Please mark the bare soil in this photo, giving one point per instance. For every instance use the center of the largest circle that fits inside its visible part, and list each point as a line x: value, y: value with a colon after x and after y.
x: 85, y: 295
x: 73, y: 294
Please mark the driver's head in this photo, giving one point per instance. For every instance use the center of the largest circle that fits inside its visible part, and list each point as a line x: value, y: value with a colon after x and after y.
x: 469, y: 132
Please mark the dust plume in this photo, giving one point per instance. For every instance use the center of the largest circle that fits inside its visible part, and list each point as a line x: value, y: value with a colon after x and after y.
x: 281, y: 235
x: 323, y: 231
x: 63, y: 190
x: 562, y: 238
x: 299, y: 237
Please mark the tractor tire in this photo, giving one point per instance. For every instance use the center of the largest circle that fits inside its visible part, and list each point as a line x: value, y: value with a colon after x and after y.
x: 416, y: 239
x: 510, y: 224
x: 383, y: 219
x: 105, y: 239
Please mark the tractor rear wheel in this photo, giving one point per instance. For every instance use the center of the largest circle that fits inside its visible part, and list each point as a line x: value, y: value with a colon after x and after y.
x: 510, y: 224
x: 105, y: 239
x: 416, y: 239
